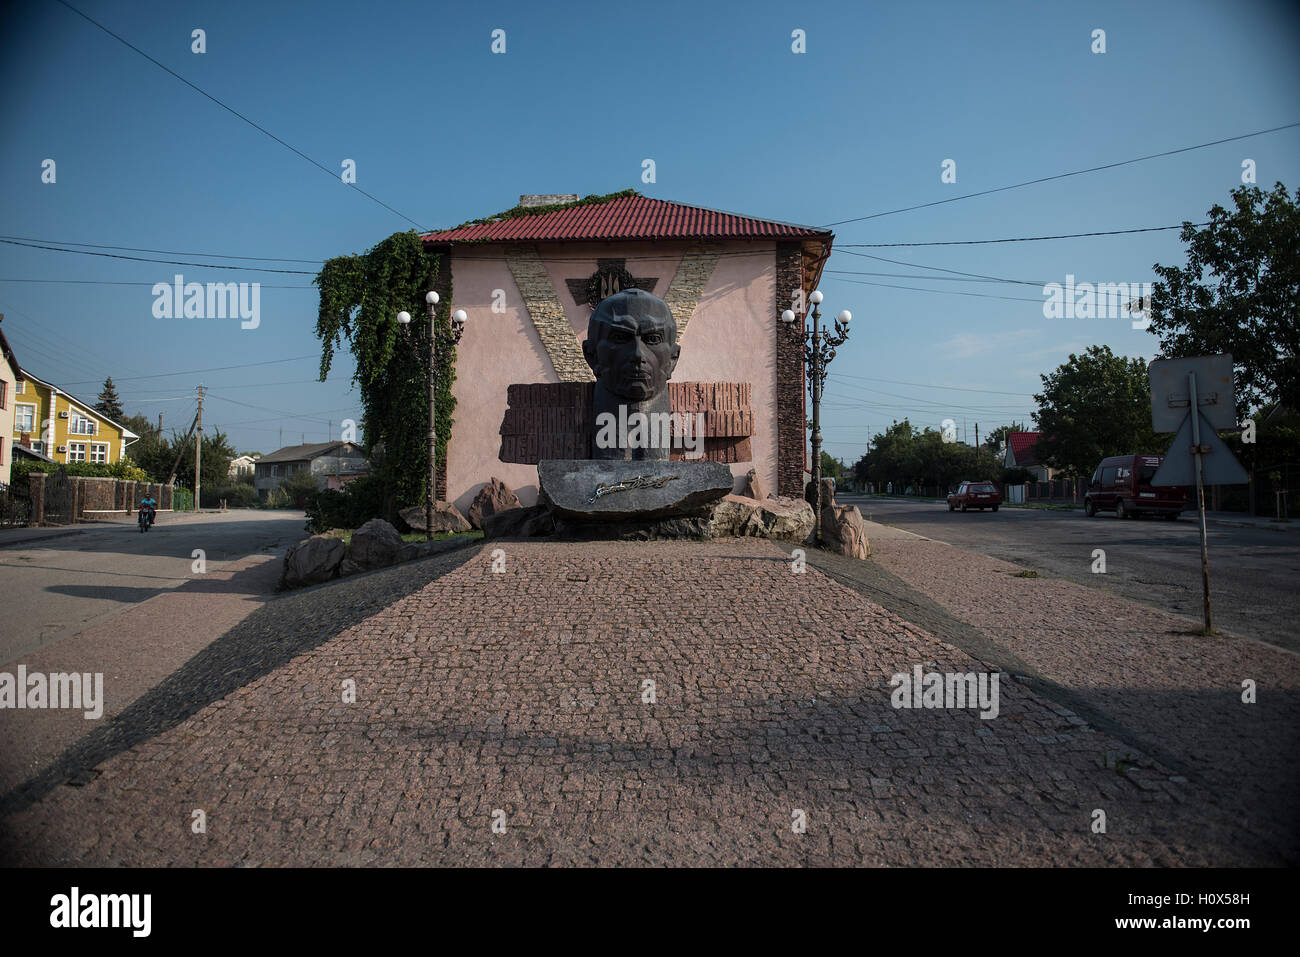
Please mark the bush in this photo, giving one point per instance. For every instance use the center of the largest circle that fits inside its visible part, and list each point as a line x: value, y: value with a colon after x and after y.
x: 350, y: 507
x: 236, y: 496
x: 124, y: 469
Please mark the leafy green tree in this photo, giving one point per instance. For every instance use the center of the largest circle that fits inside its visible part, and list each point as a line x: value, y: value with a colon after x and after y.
x: 904, y: 456
x: 999, y: 435
x: 217, y: 453
x: 1094, y: 405
x: 109, y: 403
x: 1239, y: 293
x: 151, y: 452
x: 360, y: 297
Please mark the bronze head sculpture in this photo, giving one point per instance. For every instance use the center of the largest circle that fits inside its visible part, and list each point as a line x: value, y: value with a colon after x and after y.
x: 632, y: 349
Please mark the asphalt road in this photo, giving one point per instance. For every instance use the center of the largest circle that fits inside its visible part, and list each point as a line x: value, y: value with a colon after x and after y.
x: 1254, y: 573
x: 53, y: 587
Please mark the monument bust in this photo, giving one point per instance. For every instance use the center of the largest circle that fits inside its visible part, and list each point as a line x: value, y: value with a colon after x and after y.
x: 632, y: 349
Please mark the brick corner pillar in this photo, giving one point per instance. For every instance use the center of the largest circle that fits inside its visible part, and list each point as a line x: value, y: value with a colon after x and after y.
x: 789, y: 374
x: 37, y: 484
x: 78, y: 499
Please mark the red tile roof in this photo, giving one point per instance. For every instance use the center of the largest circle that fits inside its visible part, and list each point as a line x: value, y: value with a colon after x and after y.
x: 1022, y: 445
x: 627, y: 217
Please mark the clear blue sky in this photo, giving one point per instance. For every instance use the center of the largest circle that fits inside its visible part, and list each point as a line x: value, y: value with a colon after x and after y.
x: 443, y: 131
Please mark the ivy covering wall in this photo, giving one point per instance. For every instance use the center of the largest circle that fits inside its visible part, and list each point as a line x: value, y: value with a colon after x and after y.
x: 360, y: 297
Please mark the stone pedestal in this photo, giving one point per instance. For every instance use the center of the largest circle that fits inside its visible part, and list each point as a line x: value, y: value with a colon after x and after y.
x: 589, y: 490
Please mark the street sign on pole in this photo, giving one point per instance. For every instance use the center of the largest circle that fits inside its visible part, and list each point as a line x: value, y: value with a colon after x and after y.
x: 1194, y: 396
x: 1169, y: 398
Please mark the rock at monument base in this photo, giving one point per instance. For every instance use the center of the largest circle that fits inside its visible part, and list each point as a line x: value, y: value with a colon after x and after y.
x: 753, y: 487
x: 492, y: 498
x: 312, y: 561
x: 828, y: 493
x: 781, y: 517
x: 376, y: 544
x: 519, y: 523
x: 685, y: 489
x: 446, y: 518
x: 844, y: 531
x: 731, y: 516
x: 652, y: 530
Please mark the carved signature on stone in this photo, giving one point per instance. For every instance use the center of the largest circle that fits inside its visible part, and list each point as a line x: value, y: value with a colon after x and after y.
x: 641, y: 481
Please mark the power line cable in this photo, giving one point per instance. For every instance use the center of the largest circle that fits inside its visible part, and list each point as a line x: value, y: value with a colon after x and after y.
x: 1019, y: 239
x: 229, y: 109
x: 1047, y: 179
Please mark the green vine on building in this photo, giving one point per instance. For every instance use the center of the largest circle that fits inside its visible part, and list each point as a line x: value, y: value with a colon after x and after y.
x: 360, y: 297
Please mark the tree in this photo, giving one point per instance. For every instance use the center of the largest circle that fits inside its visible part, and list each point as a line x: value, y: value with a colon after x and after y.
x: 215, y: 460
x: 904, y: 456
x: 1095, y: 405
x: 831, y: 466
x: 360, y: 297
x: 999, y: 435
x: 1239, y: 293
x: 109, y: 403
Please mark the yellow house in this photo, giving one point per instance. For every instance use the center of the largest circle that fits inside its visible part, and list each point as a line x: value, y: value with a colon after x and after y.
x: 61, y: 426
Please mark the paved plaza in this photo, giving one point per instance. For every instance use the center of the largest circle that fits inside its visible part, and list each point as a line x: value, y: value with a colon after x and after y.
x: 507, y: 717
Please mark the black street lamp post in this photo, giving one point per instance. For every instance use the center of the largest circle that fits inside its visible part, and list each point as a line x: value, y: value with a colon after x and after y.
x: 457, y: 329
x: 818, y: 350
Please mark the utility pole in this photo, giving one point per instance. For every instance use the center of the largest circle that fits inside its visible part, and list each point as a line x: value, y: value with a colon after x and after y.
x: 198, y: 452
x: 977, y: 435
x: 282, y: 436
x: 160, y: 425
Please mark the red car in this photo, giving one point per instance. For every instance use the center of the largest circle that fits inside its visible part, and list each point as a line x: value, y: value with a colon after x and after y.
x: 980, y: 495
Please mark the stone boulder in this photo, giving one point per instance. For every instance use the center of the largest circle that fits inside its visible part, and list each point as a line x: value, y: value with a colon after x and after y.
x: 312, y: 561
x: 660, y: 489
x: 753, y: 487
x: 731, y: 516
x: 446, y: 518
x: 828, y: 493
x: 844, y: 531
x: 519, y: 523
x: 494, y: 497
x: 376, y: 544
x: 783, y: 518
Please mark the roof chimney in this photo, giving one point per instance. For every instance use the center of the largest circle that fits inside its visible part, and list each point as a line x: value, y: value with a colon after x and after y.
x: 547, y: 199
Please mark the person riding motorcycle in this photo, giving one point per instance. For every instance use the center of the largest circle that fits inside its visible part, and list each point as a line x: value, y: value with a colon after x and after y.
x: 149, y: 509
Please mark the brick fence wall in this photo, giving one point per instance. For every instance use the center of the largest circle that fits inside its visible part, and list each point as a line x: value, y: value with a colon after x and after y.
x: 96, y: 496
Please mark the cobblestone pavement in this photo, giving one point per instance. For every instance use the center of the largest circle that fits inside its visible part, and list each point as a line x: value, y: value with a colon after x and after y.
x: 1146, y: 669
x: 520, y: 698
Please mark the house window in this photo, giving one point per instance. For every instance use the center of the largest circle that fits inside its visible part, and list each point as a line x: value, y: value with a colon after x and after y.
x: 4, y: 392
x: 76, y: 451
x: 98, y: 452
x: 38, y: 446
x: 22, y: 388
x: 80, y: 425
x: 24, y: 417
x: 275, y: 471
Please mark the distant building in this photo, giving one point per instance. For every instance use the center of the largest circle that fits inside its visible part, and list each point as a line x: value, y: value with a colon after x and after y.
x: 1020, y: 454
x: 242, y: 466
x: 332, y: 464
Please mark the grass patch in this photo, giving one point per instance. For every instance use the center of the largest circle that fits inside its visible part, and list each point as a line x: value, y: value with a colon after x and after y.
x: 1030, y: 573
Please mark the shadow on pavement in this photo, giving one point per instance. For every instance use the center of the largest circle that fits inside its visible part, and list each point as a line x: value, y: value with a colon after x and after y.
x: 286, y: 626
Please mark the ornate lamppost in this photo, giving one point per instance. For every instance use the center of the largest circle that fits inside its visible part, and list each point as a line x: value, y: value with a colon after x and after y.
x: 818, y: 351
x: 457, y: 329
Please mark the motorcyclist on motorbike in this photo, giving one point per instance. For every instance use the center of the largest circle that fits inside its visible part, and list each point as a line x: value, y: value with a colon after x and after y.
x: 148, y: 509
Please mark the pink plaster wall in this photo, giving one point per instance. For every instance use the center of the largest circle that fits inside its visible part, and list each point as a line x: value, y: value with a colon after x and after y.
x: 730, y: 338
